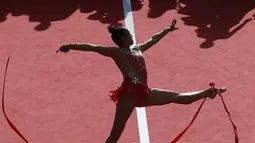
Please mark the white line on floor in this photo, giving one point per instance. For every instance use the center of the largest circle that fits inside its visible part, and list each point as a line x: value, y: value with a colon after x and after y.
x: 141, y: 112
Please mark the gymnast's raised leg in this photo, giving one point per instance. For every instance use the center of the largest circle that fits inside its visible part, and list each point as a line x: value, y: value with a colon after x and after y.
x: 163, y: 97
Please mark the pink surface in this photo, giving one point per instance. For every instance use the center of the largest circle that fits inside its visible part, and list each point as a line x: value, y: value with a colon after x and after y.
x: 178, y: 63
x: 58, y: 97
x: 63, y: 97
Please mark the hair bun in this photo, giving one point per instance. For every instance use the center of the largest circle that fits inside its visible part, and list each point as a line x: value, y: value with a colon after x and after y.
x: 112, y: 29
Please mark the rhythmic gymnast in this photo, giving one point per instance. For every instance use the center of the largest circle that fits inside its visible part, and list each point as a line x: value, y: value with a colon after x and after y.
x: 134, y: 91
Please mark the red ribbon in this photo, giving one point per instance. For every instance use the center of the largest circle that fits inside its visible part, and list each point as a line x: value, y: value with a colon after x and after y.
x: 6, y: 117
x: 174, y: 141
x: 229, y: 116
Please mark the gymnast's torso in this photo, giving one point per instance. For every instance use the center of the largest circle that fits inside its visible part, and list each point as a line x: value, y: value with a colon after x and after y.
x: 132, y: 66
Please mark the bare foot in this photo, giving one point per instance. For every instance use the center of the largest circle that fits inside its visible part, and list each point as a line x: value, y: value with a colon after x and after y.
x: 213, y: 92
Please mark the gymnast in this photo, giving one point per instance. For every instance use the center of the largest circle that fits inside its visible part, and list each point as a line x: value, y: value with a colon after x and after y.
x: 134, y: 91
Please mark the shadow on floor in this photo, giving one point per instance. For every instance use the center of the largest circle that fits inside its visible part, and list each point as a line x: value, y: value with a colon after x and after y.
x: 47, y: 11
x: 214, y: 19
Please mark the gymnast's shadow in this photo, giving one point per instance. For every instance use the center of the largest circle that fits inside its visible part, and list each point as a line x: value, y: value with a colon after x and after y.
x: 214, y: 19
x: 45, y: 12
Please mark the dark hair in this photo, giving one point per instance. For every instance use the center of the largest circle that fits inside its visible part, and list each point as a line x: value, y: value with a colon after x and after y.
x: 116, y: 33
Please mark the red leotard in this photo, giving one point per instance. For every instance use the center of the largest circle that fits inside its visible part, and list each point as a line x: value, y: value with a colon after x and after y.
x: 135, y: 82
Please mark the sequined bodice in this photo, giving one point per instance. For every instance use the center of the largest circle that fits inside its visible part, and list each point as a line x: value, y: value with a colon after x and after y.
x: 139, y: 72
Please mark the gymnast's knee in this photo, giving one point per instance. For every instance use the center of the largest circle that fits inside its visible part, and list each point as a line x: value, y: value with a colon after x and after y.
x: 160, y: 97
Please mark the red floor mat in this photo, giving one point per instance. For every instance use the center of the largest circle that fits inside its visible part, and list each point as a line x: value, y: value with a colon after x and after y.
x: 63, y: 97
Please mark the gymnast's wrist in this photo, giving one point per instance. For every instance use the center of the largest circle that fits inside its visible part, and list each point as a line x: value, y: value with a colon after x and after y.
x: 168, y: 29
x: 74, y: 46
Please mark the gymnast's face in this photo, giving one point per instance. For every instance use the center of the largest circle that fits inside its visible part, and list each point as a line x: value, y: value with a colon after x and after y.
x: 127, y: 39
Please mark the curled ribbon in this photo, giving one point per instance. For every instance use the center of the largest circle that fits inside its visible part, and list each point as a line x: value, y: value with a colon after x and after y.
x: 6, y: 117
x: 174, y: 141
x: 3, y: 91
x: 229, y: 115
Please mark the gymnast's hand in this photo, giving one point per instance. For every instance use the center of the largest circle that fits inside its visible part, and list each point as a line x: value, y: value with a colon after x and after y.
x: 172, y: 26
x: 65, y: 48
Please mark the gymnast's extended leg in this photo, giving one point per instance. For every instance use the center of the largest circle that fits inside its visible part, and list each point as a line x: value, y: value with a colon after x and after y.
x: 162, y: 97
x: 124, y: 109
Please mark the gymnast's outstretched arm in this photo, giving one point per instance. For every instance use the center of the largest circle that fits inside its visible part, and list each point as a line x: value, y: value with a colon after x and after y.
x: 156, y: 38
x: 103, y: 50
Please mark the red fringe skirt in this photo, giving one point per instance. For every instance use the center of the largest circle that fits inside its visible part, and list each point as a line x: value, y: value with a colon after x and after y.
x: 140, y: 91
